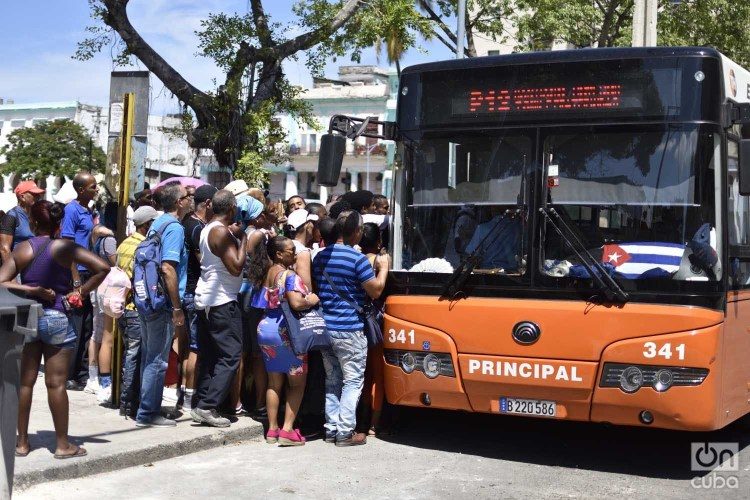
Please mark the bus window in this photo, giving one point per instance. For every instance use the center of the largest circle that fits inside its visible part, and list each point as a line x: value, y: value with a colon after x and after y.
x: 644, y: 191
x: 465, y: 191
x: 738, y: 219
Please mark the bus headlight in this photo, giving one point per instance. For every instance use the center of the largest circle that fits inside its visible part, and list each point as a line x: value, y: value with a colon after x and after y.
x: 663, y: 380
x: 408, y: 363
x: 630, y: 378
x: 431, y: 366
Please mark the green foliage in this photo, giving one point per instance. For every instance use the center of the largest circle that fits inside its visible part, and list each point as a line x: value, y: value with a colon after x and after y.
x: 59, y: 147
x: 581, y: 23
x: 395, y: 24
x: 723, y: 24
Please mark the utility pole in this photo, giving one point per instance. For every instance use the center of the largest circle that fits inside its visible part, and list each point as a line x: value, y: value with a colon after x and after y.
x: 644, y: 23
x: 461, y: 31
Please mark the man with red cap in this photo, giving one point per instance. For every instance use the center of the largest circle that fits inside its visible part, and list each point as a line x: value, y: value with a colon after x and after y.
x: 15, y: 227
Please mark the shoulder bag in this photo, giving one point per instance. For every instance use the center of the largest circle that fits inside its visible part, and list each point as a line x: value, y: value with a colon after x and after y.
x: 371, y: 315
x: 307, y: 329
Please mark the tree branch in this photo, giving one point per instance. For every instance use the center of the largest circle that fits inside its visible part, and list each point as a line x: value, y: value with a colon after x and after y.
x: 443, y: 40
x: 312, y: 38
x: 261, y: 23
x: 116, y: 17
x: 439, y: 21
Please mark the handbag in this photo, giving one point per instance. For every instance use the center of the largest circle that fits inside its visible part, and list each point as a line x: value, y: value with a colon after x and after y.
x: 371, y: 314
x: 307, y: 329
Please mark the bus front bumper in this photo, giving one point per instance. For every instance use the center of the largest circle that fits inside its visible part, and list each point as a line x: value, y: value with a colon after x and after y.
x: 484, y: 383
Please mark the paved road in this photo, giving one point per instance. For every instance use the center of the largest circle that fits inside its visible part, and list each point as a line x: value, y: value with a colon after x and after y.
x: 436, y: 455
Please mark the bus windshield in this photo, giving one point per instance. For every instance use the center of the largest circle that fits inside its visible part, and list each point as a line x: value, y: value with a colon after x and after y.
x: 466, y: 193
x: 638, y: 200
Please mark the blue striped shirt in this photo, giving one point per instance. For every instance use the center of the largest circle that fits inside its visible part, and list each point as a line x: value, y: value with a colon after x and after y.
x: 348, y: 269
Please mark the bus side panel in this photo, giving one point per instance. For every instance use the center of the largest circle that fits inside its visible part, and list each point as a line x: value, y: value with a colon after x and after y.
x: 695, y: 408
x: 736, y: 338
x: 402, y: 389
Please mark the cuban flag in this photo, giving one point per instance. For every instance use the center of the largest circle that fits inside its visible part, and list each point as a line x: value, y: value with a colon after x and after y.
x: 634, y: 259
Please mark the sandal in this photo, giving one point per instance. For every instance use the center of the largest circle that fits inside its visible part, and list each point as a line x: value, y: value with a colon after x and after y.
x: 291, y: 438
x: 80, y: 452
x: 22, y: 454
x: 272, y: 437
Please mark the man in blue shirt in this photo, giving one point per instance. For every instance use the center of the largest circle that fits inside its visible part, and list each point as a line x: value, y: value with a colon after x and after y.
x: 77, y: 224
x: 352, y: 276
x: 499, y: 249
x: 158, y: 329
x: 15, y: 227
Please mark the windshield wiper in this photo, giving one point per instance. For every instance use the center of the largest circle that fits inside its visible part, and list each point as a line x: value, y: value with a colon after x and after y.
x: 600, y: 276
x: 463, y: 271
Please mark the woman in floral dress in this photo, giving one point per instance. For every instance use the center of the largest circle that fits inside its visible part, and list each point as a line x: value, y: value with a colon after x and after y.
x: 276, y: 282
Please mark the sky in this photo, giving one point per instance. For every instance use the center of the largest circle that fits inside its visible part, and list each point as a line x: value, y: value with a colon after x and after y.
x: 39, y: 37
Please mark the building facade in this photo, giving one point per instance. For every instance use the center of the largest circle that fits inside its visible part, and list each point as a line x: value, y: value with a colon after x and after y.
x: 14, y: 116
x: 360, y: 91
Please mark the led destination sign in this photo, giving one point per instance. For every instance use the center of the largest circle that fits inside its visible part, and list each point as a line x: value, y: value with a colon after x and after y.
x: 586, y: 90
x: 495, y: 100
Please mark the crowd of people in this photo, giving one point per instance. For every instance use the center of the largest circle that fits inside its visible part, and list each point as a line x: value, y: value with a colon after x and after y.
x: 203, y: 329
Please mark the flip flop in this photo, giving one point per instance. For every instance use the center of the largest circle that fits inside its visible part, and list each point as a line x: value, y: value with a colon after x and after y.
x: 80, y: 452
x: 19, y: 454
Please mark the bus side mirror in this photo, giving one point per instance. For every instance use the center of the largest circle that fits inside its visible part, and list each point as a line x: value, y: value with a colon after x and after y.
x: 744, y: 167
x: 330, y: 157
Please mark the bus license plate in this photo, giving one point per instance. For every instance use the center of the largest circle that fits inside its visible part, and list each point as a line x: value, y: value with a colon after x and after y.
x: 534, y: 407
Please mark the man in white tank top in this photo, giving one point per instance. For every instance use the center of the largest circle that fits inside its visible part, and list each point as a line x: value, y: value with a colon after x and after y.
x: 223, y: 247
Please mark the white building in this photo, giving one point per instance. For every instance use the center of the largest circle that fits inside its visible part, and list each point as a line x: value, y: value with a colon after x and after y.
x: 360, y: 91
x: 14, y: 116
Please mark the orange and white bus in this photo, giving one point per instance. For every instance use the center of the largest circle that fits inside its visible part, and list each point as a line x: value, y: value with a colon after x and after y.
x: 571, y: 236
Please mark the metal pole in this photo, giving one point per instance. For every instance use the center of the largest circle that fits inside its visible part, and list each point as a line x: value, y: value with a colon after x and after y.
x: 644, y: 23
x: 461, y: 31
x: 126, y: 144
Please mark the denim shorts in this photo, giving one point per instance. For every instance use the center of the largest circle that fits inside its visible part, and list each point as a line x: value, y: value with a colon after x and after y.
x: 191, y: 320
x: 54, y: 329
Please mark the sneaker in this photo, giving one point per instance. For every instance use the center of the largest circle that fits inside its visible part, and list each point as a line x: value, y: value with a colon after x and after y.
x: 355, y: 439
x: 157, y: 421
x: 291, y: 438
x: 272, y: 437
x: 259, y: 413
x: 92, y: 386
x: 104, y: 395
x: 209, y: 417
x: 330, y: 437
x: 240, y: 410
x: 72, y: 385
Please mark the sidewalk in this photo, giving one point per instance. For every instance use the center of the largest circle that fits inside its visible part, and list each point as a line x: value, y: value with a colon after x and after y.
x: 112, y: 441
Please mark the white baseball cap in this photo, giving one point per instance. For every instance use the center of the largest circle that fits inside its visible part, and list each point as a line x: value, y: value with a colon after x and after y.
x: 237, y: 187
x: 298, y: 218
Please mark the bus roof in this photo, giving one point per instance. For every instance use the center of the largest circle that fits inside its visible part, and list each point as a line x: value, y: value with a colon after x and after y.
x: 558, y: 56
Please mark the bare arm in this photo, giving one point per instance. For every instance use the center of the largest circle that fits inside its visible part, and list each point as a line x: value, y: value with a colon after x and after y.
x: 6, y: 240
x: 303, y: 268
x: 171, y: 283
x: 375, y: 287
x: 222, y: 244
x: 300, y: 302
x: 97, y: 266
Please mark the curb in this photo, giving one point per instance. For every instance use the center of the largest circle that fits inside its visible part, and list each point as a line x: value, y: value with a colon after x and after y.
x: 133, y: 458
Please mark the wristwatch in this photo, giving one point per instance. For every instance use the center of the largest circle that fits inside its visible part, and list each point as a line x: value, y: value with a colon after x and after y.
x: 76, y: 283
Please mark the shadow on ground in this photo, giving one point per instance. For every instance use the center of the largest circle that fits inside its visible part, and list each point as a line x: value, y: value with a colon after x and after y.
x: 645, y: 452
